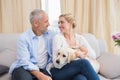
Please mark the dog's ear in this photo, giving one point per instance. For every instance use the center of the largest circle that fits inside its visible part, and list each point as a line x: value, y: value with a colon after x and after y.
x: 71, y: 54
x: 71, y: 57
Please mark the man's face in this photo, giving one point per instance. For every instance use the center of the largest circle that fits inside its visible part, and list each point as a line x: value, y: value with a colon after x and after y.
x: 43, y: 23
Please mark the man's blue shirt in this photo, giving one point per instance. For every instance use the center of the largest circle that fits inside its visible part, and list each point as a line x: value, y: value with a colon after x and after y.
x: 27, y: 50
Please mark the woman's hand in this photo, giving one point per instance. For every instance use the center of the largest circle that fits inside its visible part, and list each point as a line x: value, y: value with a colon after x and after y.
x: 80, y: 54
x: 83, y: 49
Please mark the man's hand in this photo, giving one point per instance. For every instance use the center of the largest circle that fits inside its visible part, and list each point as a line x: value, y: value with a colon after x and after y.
x: 44, y: 77
x: 40, y: 76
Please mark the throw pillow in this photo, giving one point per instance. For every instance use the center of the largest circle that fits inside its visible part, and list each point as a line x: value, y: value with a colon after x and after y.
x: 109, y: 65
x: 3, y: 70
x: 8, y: 54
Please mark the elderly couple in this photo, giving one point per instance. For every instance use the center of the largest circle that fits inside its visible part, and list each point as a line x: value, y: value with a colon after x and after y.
x: 37, y: 48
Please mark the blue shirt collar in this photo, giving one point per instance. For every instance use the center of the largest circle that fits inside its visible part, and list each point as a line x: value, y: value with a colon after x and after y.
x: 34, y: 36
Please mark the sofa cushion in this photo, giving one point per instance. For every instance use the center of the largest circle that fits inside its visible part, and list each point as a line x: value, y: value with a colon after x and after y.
x: 109, y: 65
x: 5, y: 77
x: 3, y: 70
x: 7, y: 57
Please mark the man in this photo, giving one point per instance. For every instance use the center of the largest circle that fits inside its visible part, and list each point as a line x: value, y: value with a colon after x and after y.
x: 34, y: 50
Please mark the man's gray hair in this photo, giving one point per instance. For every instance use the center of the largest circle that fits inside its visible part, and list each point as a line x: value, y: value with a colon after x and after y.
x: 36, y: 14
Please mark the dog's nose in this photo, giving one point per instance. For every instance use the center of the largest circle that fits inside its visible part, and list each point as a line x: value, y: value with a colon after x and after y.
x: 57, y: 61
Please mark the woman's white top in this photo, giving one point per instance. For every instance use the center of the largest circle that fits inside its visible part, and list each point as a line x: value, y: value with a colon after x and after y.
x: 60, y: 41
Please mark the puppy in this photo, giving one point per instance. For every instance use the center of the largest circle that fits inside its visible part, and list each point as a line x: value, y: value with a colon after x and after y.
x: 64, y: 57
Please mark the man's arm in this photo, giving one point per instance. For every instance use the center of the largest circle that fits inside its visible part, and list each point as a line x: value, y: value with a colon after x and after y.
x: 39, y: 75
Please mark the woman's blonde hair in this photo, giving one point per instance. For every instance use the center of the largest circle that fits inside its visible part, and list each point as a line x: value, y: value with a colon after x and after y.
x: 69, y: 18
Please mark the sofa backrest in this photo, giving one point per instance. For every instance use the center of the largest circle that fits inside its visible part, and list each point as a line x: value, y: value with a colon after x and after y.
x: 8, y: 41
x: 98, y: 45
x: 8, y: 47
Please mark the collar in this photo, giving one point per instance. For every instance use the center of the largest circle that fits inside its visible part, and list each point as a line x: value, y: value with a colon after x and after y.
x: 33, y: 36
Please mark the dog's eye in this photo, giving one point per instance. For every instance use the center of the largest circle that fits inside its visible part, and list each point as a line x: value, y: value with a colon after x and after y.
x: 64, y: 55
x: 58, y: 53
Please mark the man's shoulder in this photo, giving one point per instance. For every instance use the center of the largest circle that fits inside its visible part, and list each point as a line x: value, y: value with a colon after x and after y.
x: 25, y: 35
x: 52, y: 32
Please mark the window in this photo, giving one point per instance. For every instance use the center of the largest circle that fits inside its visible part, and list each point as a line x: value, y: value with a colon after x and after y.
x: 52, y: 7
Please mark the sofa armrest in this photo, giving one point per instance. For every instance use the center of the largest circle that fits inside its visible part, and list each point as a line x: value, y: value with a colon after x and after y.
x: 109, y: 65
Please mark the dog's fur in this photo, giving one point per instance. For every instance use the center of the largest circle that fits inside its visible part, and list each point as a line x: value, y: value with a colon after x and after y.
x: 64, y: 56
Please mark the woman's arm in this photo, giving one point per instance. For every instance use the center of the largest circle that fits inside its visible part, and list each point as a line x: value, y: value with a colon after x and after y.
x: 83, y: 49
x: 85, y: 44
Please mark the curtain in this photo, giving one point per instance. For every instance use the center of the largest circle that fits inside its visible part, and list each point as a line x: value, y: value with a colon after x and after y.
x: 115, y: 21
x: 99, y: 17
x: 14, y: 15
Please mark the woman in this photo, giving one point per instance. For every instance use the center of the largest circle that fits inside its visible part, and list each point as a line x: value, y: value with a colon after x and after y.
x: 77, y: 69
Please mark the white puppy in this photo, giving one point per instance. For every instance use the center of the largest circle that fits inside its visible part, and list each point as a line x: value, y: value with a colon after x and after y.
x: 63, y: 57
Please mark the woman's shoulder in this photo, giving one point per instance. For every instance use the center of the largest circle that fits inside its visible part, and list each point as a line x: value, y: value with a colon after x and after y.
x: 59, y: 35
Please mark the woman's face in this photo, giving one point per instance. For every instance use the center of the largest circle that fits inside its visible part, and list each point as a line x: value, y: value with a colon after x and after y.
x: 64, y: 25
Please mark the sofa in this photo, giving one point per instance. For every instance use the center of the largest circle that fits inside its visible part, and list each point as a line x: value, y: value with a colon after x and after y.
x: 109, y: 65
